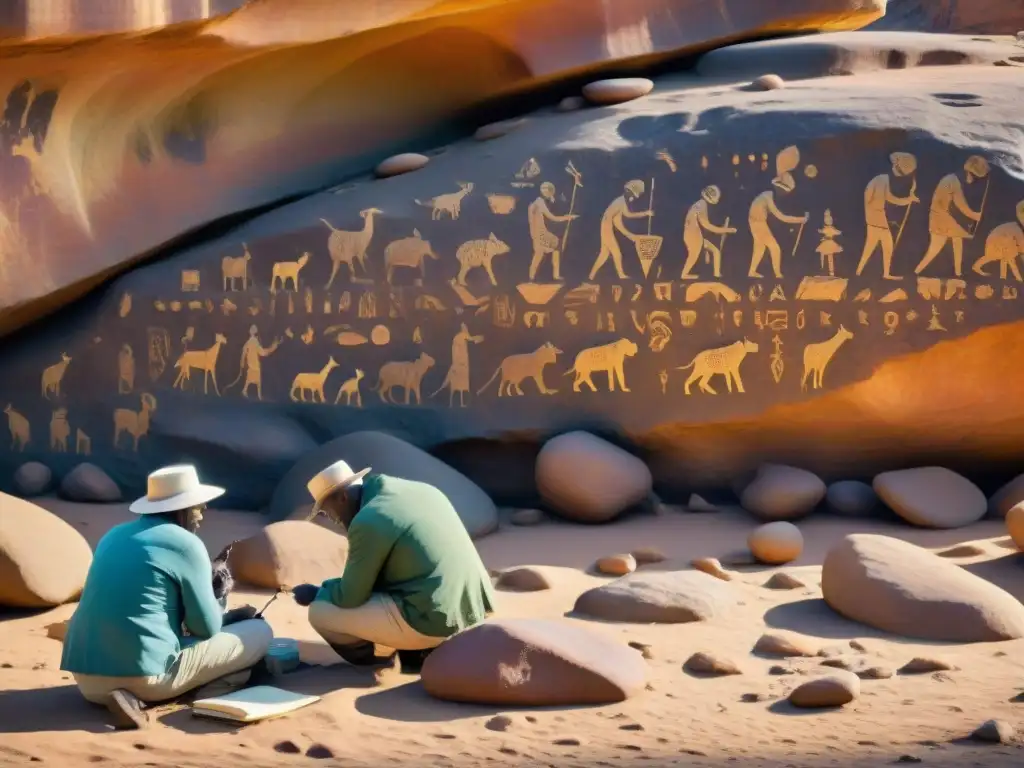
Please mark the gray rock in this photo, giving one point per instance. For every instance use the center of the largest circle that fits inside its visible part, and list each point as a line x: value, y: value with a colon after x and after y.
x: 931, y: 497
x: 779, y: 492
x: 526, y: 517
x: 32, y: 478
x: 667, y: 597
x: 89, y: 483
x: 852, y: 498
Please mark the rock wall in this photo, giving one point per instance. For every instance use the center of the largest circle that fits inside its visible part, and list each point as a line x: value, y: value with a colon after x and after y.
x: 986, y: 17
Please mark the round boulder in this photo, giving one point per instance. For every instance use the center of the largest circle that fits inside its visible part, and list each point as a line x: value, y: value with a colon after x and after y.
x: 833, y: 690
x: 616, y: 565
x: 776, y: 543
x: 43, y: 560
x: 391, y: 456
x: 90, y: 484
x: 533, y: 662
x: 288, y: 553
x: 399, y: 164
x: 932, y: 497
x: 588, y: 480
x: 32, y: 479
x: 1015, y: 525
x: 617, y: 90
x: 522, y: 579
x: 897, y: 587
x: 779, y: 492
x: 665, y: 597
x: 852, y: 498
x: 768, y: 83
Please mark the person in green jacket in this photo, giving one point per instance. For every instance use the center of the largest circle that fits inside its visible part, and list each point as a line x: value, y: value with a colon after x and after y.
x: 413, y: 576
x: 149, y: 579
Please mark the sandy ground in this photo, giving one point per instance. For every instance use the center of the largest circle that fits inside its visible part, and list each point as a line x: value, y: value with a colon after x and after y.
x: 681, y: 720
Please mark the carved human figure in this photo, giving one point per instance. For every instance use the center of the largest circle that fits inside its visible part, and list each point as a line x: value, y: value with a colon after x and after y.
x: 877, y: 194
x: 457, y: 379
x: 544, y: 241
x: 942, y: 225
x: 694, y: 237
x: 250, y: 364
x: 1003, y: 245
x: 761, y: 233
x: 612, y: 221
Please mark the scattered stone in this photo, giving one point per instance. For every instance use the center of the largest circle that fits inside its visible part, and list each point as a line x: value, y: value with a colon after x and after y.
x: 522, y: 579
x: 644, y: 648
x: 932, y: 497
x: 588, y: 480
x: 923, y: 665
x: 768, y: 83
x: 569, y: 741
x: 875, y: 673
x: 784, y: 646
x: 778, y: 492
x: 58, y: 630
x: 857, y: 645
x: 1015, y: 525
x: 287, y: 553
x: 533, y: 662
x: 498, y: 129
x: 897, y: 587
x: 287, y: 747
x: 571, y: 103
x: 711, y: 567
x: 754, y: 698
x: 852, y: 498
x: 1007, y: 497
x: 995, y: 732
x: 648, y: 556
x: 89, y: 483
x: 319, y: 752
x: 617, y: 90
x: 840, y: 663
x: 43, y: 560
x: 707, y: 664
x: 962, y: 550
x: 526, y: 517
x: 833, y: 690
x: 669, y: 597
x: 783, y: 581
x: 399, y: 164
x: 32, y: 478
x: 699, y: 504
x: 776, y: 543
x: 499, y: 723
x: 616, y: 565
x: 908, y: 759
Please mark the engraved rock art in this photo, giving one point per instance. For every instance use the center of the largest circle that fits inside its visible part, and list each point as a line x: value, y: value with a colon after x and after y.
x: 818, y: 356
x: 942, y: 224
x: 449, y: 204
x: 694, y: 238
x: 877, y: 195
x: 724, y: 361
x: 607, y: 358
x: 403, y: 375
x: 457, y: 378
x: 350, y: 247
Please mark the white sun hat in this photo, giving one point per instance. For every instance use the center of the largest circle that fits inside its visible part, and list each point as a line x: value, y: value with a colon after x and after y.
x: 171, y: 489
x: 338, y: 475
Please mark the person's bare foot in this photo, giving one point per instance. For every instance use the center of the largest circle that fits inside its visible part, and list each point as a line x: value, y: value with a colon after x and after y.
x: 127, y: 710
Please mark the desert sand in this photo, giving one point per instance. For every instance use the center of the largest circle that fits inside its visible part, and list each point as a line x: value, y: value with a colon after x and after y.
x: 681, y: 719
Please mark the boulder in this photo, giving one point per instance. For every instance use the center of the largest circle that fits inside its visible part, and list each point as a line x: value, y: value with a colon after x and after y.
x: 43, y: 560
x: 931, y: 497
x: 288, y: 553
x: 88, y: 483
x: 897, y: 587
x: 522, y: 579
x: 588, y: 480
x: 617, y: 90
x: 396, y: 165
x: 1015, y: 525
x: 768, y: 83
x: 784, y: 646
x: 32, y: 478
x: 833, y: 690
x: 391, y: 456
x: 779, y: 492
x: 665, y: 597
x: 533, y: 662
x: 616, y: 565
x: 1007, y: 497
x: 703, y: 664
x: 776, y: 543
x: 995, y: 732
x: 852, y: 498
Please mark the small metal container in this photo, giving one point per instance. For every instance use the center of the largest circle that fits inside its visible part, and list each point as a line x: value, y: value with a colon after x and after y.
x: 282, y: 656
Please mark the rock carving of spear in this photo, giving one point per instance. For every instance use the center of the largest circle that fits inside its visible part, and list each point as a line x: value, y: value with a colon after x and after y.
x: 981, y: 210
x: 577, y: 182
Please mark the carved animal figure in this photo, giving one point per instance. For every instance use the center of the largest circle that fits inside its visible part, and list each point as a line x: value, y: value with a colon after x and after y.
x: 720, y: 360
x: 515, y: 369
x: 350, y: 389
x: 59, y: 431
x: 83, y: 443
x: 134, y: 423
x: 1002, y: 246
x: 450, y: 203
x: 125, y: 370
x: 53, y: 375
x: 312, y: 383
x: 21, y: 430
x: 818, y: 356
x: 479, y: 253
x: 607, y: 357
x: 285, y: 271
x: 408, y: 252
x: 234, y: 268
x: 408, y: 375
x: 204, y: 360
x: 348, y: 247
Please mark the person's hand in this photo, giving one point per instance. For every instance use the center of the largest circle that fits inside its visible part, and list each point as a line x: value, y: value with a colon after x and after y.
x: 242, y: 613
x: 806, y: 217
x: 305, y: 594
x: 730, y: 230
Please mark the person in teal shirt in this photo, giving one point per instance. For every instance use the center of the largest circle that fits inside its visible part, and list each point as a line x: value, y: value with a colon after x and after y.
x: 413, y: 576
x: 150, y: 581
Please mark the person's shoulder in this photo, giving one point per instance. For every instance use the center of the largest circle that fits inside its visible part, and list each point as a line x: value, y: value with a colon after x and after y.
x: 176, y: 539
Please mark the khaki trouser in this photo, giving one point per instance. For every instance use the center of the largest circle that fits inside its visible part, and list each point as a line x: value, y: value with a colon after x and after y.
x: 378, y: 620
x: 236, y: 647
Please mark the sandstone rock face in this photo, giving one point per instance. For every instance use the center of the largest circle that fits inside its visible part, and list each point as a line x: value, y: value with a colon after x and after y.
x: 387, y: 455
x: 931, y: 497
x: 588, y: 480
x: 987, y: 17
x: 32, y: 479
x: 43, y: 560
x: 288, y: 553
x: 89, y: 483
x: 897, y: 587
x: 533, y: 662
x: 670, y: 597
x: 852, y: 498
x: 782, y: 493
x: 776, y: 543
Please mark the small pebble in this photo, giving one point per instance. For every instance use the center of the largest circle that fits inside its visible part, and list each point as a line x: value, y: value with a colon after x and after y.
x: 708, y: 664
x: 499, y: 723
x: 922, y: 665
x: 768, y: 83
x: 525, y: 517
x: 571, y: 103
x: 648, y: 556
x: 783, y: 581
x: 616, y: 565
x: 617, y: 90
x: 399, y: 164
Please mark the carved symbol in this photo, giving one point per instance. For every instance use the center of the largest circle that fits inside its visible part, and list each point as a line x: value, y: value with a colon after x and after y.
x: 737, y: 317
x: 234, y: 268
x: 135, y: 424
x: 53, y: 375
x: 862, y: 317
x: 935, y: 324
x: 801, y: 320
x: 824, y: 318
x: 450, y: 203
x: 687, y: 318
x: 777, y: 365
x: 189, y: 280
x: 159, y: 350
x: 778, y: 294
x: 83, y: 443
x: 663, y: 291
x: 1009, y: 292
x: 504, y: 312
x: 718, y: 291
x: 817, y: 357
x: 125, y: 306
x: 534, y: 319
x: 663, y: 378
x: 609, y: 358
x: 755, y: 292
x: 312, y: 382
x: 891, y: 321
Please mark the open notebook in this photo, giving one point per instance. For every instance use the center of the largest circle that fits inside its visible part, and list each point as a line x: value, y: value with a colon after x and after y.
x: 248, y: 705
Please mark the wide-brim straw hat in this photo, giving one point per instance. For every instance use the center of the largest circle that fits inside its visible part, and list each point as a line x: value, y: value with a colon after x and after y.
x: 338, y: 475
x: 172, y: 489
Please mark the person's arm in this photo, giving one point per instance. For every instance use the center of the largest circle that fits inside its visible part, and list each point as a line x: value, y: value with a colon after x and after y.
x: 785, y: 218
x: 961, y: 202
x: 203, y: 616
x: 369, y: 544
